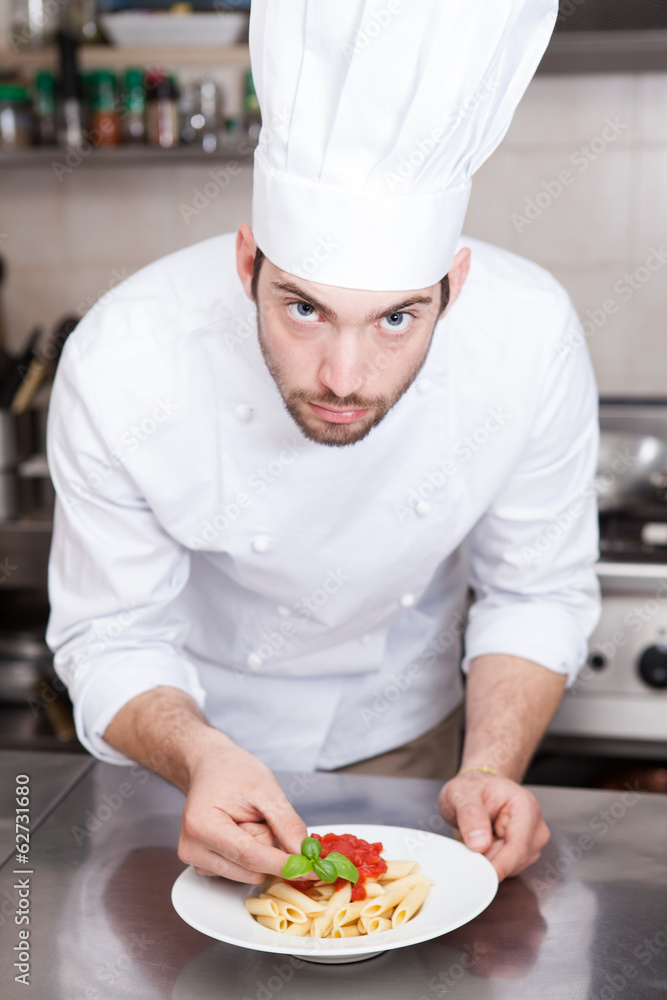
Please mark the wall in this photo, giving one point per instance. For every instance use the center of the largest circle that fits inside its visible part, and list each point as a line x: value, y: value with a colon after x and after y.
x: 68, y: 240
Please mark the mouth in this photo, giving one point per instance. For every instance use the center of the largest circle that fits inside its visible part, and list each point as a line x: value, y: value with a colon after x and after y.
x: 337, y: 416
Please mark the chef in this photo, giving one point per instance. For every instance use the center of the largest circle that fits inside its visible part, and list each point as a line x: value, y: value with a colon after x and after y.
x: 283, y: 458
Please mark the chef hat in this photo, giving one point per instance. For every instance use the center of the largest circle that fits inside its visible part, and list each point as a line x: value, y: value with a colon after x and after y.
x: 375, y: 114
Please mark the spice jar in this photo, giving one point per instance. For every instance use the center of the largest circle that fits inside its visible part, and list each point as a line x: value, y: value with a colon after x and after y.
x: 162, y: 110
x: 15, y: 118
x: 104, y: 117
x: 134, y: 106
x: 44, y: 108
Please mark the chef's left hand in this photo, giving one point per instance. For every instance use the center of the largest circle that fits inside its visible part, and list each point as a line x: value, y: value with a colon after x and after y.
x: 496, y: 817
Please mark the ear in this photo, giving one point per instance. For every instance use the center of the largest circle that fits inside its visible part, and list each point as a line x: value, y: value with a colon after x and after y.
x: 246, y: 249
x: 458, y: 273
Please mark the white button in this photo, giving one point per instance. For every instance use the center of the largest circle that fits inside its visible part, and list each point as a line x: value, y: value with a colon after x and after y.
x: 243, y: 411
x: 254, y: 661
x: 424, y: 385
x: 261, y: 543
x: 283, y: 610
x: 365, y: 639
x: 423, y: 507
x: 407, y: 601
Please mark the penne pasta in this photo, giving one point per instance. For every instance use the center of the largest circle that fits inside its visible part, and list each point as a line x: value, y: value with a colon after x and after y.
x: 349, y: 913
x: 291, y: 895
x: 374, y: 889
x: 393, y: 895
x: 350, y: 930
x: 399, y: 869
x: 390, y: 900
x: 293, y: 913
x: 278, y: 923
x: 323, y: 922
x: 261, y: 907
x: 298, y: 930
x: 412, y: 902
x: 377, y: 924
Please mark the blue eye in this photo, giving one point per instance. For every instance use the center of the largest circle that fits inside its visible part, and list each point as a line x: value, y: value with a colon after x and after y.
x: 302, y: 311
x: 397, y: 322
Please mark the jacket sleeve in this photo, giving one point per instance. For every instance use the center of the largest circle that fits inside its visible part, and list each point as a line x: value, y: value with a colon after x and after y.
x: 532, y: 553
x: 114, y: 572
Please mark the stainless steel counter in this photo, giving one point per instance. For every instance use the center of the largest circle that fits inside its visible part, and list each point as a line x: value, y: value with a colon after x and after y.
x: 588, y: 921
x: 52, y: 775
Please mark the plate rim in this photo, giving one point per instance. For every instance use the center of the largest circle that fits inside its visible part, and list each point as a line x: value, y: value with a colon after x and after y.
x: 345, y: 951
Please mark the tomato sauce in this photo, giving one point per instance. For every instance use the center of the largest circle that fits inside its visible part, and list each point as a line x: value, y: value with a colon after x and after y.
x: 364, y: 856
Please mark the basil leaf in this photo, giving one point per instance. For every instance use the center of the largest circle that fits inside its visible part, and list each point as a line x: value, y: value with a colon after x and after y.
x: 311, y: 848
x: 296, y: 866
x: 326, y: 870
x: 344, y: 867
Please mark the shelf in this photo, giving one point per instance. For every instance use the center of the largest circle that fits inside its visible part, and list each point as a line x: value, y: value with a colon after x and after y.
x: 239, y: 148
x: 120, y: 57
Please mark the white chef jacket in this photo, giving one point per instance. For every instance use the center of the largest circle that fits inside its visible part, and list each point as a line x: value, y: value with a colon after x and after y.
x: 313, y: 597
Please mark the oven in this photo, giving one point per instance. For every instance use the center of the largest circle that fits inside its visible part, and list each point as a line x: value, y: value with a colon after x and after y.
x: 617, y: 707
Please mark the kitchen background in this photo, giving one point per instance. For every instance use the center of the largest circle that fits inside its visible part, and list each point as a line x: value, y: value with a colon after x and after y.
x: 579, y: 184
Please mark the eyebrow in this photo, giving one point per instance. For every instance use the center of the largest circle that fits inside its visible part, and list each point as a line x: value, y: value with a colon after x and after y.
x: 330, y: 314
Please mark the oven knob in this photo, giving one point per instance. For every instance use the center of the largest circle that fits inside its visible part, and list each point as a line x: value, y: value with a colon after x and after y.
x: 653, y: 666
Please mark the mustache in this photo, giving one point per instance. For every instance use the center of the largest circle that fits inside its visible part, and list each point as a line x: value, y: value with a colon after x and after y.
x: 351, y: 402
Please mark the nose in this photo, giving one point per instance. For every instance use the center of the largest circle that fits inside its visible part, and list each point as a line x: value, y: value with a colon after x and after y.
x: 342, y: 368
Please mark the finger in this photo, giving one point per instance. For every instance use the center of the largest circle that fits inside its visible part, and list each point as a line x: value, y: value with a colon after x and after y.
x: 217, y: 844
x: 471, y: 817
x: 521, y: 844
x: 209, y: 864
x: 285, y: 822
x: 248, y: 852
x: 260, y: 831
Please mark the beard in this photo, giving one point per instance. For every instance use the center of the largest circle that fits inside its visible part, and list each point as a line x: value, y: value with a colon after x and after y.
x: 320, y: 431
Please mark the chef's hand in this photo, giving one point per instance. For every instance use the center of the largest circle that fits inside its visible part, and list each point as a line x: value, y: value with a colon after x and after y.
x: 234, y: 809
x: 496, y: 817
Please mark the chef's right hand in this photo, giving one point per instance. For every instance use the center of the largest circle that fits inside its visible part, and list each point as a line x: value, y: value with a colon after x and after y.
x: 234, y: 809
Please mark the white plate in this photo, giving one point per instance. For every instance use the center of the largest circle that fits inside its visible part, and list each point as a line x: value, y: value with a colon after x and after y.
x: 139, y: 27
x: 465, y: 884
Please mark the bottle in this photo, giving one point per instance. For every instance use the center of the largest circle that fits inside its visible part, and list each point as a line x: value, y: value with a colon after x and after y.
x: 69, y: 120
x: 162, y: 110
x: 44, y: 108
x: 133, y: 114
x: 104, y: 117
x: 15, y: 120
x: 200, y: 120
